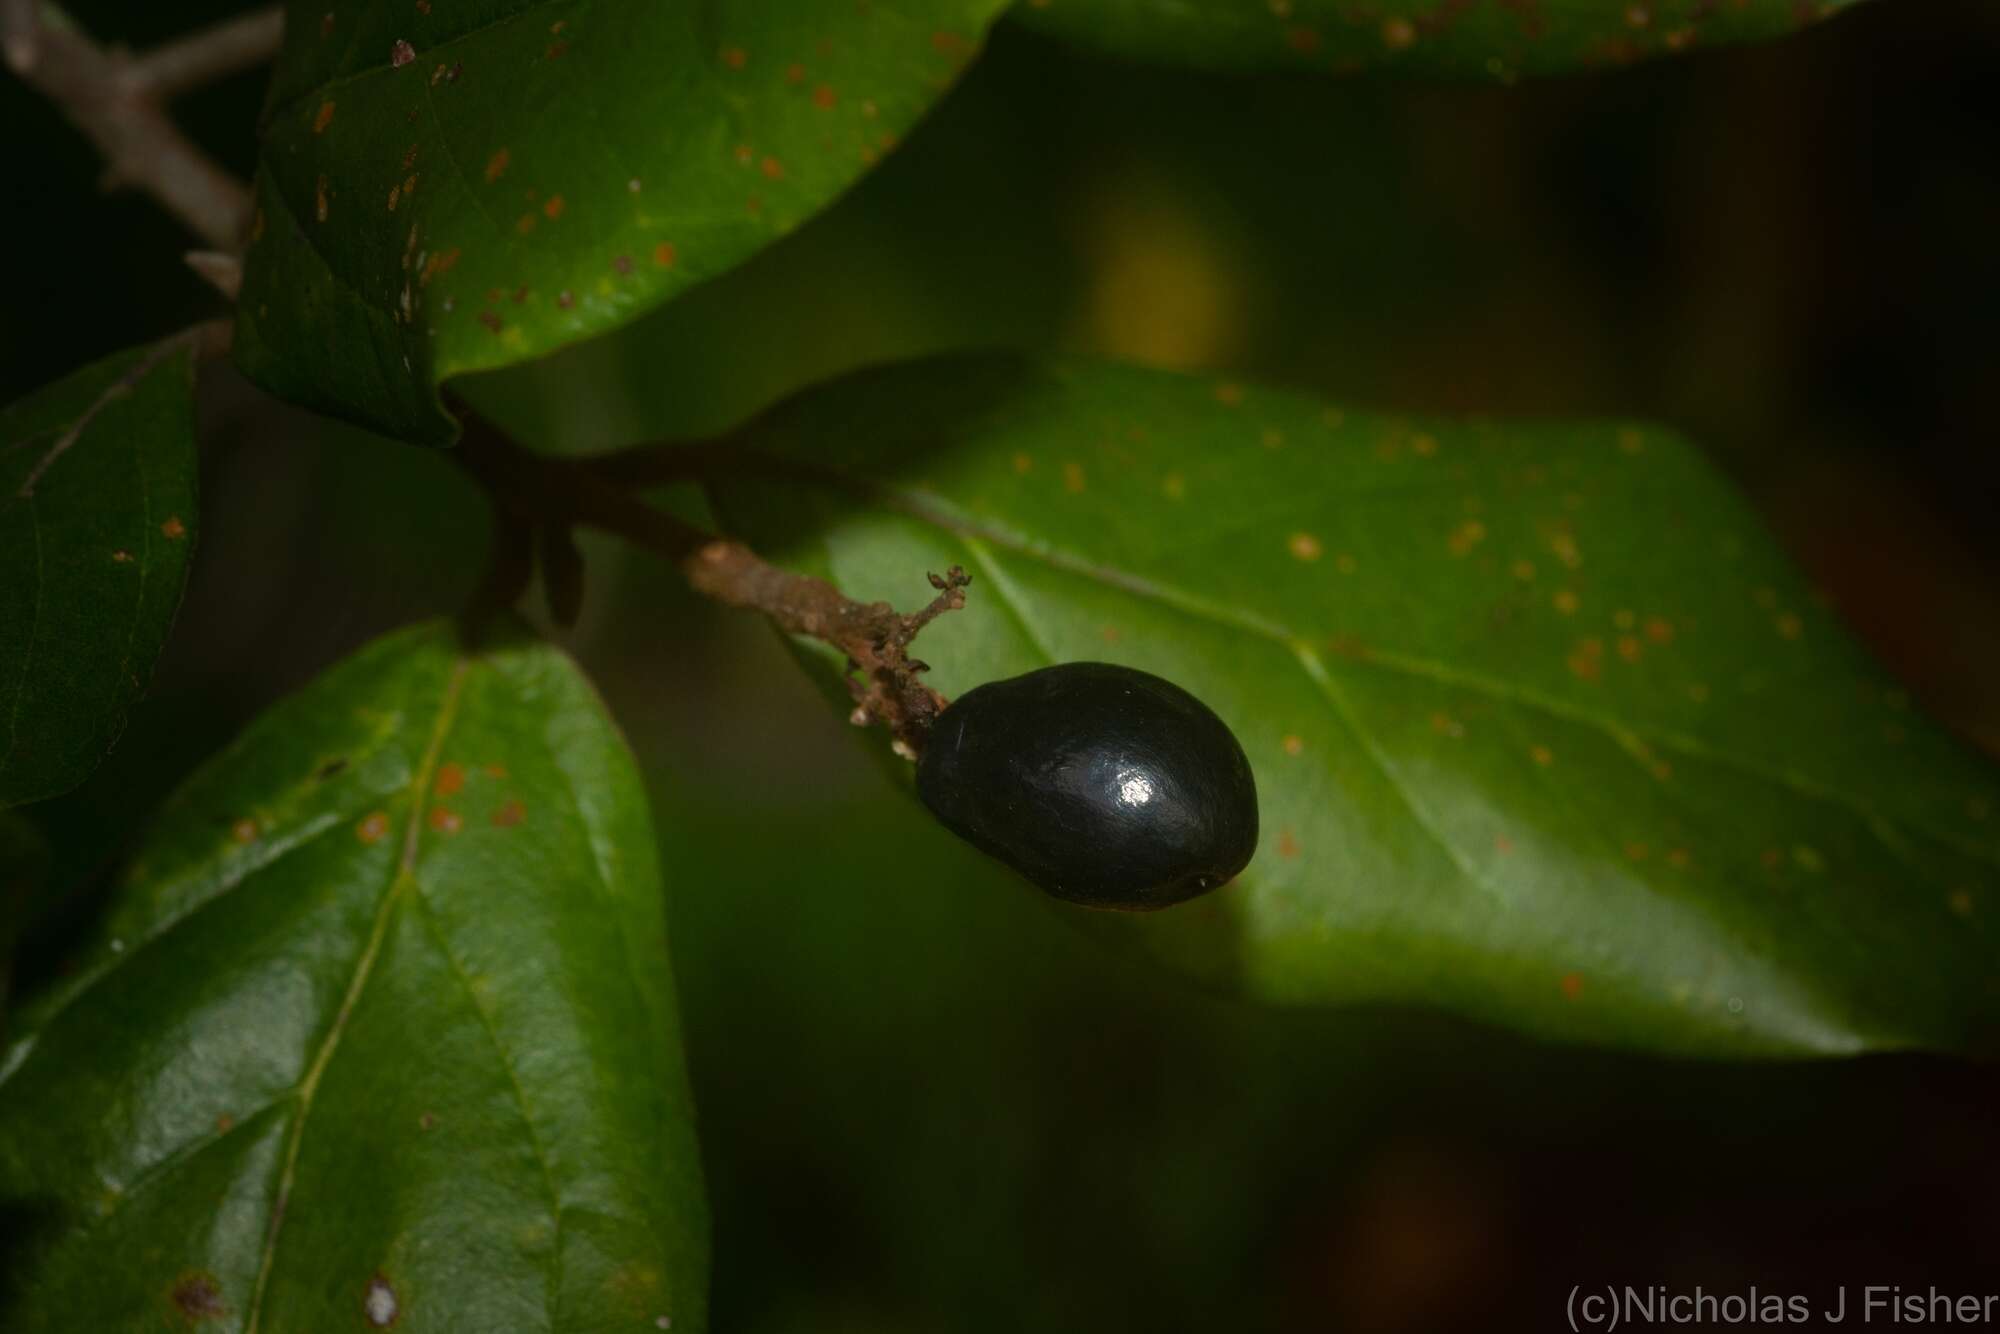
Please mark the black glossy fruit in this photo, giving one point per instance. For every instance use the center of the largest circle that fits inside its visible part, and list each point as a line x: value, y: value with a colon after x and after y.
x: 1104, y: 785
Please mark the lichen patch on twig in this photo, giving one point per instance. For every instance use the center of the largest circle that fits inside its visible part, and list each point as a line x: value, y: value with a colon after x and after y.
x: 883, y: 677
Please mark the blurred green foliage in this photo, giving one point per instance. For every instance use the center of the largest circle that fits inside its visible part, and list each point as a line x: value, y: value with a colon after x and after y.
x: 98, y: 514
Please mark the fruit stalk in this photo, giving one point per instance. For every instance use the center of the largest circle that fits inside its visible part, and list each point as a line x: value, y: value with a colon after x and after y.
x: 532, y: 494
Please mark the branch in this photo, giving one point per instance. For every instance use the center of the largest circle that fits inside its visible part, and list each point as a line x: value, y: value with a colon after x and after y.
x: 118, y: 102
x: 230, y: 47
x: 20, y: 33
x: 529, y: 492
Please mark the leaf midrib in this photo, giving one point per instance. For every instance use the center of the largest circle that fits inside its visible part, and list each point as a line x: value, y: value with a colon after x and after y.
x: 400, y: 882
x: 324, y: 87
x: 1631, y: 741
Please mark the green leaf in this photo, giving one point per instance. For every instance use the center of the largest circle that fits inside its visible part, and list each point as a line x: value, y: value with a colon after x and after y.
x: 378, y: 1022
x: 455, y: 187
x: 1503, y: 40
x: 1546, y: 731
x: 24, y: 873
x: 97, y: 517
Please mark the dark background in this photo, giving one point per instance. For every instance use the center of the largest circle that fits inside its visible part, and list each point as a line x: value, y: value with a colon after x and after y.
x: 928, y: 1101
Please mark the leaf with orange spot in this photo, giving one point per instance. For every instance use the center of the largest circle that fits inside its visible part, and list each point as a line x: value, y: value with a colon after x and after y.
x: 1499, y: 792
x: 643, y: 125
x: 97, y: 526
x: 372, y: 1067
x: 1504, y: 40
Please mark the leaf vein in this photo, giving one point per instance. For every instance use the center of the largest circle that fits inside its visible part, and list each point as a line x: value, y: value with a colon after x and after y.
x: 1343, y: 708
x: 930, y: 510
x: 38, y: 1024
x: 508, y: 1064
x: 405, y: 876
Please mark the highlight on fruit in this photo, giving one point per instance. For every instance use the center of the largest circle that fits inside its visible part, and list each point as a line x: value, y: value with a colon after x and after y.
x: 1104, y: 785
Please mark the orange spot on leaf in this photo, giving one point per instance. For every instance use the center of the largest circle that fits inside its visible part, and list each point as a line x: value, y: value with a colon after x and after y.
x: 450, y: 780
x: 173, y: 529
x: 496, y: 166
x: 198, y: 1296
x: 1572, y: 985
x: 373, y: 827
x: 445, y: 820
x: 441, y: 262
x: 553, y: 209
x: 511, y: 813
x: 323, y: 118
x: 1586, y: 660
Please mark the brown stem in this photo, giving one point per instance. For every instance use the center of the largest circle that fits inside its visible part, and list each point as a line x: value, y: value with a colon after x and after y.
x: 216, y: 52
x: 118, y: 102
x: 20, y: 33
x: 637, y: 467
x: 219, y: 269
x: 874, y: 635
x: 553, y: 494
